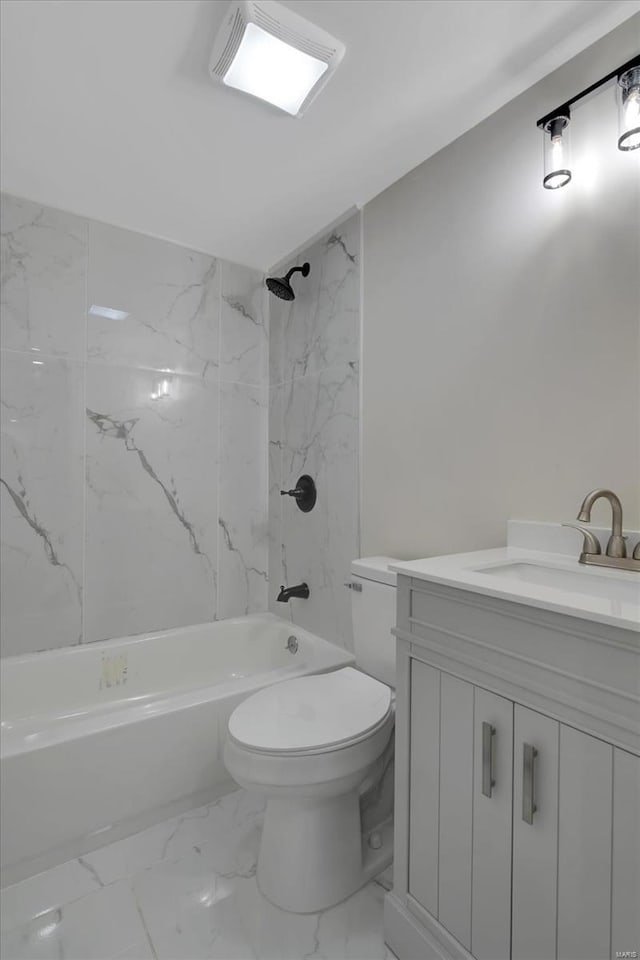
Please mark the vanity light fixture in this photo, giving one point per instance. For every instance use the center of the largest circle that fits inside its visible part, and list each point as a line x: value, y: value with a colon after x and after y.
x: 629, y: 109
x: 557, y: 165
x: 270, y: 52
x: 554, y: 125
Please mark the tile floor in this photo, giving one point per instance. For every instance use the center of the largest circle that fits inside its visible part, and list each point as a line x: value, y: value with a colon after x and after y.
x: 182, y: 890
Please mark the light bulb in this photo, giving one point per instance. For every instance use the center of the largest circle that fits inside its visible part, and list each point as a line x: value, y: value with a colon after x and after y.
x: 557, y: 166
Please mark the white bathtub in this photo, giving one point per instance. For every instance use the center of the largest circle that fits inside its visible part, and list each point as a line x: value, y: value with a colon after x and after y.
x: 103, y: 739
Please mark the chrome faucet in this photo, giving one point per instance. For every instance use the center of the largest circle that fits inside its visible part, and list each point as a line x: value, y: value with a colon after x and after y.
x: 616, y: 552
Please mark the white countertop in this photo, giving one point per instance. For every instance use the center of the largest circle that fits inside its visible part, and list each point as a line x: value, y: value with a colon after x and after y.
x: 598, y: 594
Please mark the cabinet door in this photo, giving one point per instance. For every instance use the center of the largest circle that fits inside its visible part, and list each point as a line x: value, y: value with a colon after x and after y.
x: 424, y: 787
x: 492, y: 808
x: 584, y: 847
x: 456, y: 809
x: 535, y: 835
x: 625, y: 894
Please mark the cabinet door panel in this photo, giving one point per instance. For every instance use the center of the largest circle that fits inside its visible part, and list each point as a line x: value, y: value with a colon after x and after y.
x: 535, y: 844
x: 492, y: 774
x: 424, y: 785
x: 456, y: 811
x: 584, y: 847
x: 625, y: 898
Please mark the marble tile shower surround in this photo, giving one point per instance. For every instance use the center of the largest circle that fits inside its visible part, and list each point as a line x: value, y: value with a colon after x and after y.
x: 134, y: 450
x: 314, y: 428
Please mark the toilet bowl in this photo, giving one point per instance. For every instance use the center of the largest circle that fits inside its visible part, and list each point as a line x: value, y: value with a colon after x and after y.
x: 313, y: 746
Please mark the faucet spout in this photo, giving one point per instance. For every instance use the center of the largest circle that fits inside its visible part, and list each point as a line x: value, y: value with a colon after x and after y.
x: 616, y: 546
x: 286, y: 593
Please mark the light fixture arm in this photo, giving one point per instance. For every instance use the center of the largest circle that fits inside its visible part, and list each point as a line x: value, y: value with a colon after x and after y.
x: 564, y: 109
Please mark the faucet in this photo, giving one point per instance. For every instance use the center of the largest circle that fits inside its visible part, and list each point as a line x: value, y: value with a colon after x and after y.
x: 286, y: 593
x: 616, y: 552
x: 616, y: 547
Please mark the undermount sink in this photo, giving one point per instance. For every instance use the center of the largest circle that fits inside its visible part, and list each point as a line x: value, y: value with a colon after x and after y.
x: 584, y: 581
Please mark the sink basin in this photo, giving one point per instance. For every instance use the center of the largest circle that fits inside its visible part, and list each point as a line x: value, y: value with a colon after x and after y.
x: 584, y: 582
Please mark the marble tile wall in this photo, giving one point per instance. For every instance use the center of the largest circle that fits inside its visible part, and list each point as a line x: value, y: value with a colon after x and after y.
x: 314, y: 428
x: 134, y: 445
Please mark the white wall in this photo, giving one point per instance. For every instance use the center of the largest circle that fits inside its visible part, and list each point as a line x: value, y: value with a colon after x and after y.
x: 501, y: 327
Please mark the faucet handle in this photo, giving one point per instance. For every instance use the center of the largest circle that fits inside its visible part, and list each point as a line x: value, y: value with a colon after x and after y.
x: 590, y: 544
x: 636, y: 551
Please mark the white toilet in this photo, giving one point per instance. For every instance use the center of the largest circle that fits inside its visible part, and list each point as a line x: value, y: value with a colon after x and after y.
x: 314, y: 746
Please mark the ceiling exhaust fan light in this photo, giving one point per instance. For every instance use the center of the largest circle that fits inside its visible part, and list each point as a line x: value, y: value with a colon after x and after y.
x: 270, y: 52
x: 272, y: 70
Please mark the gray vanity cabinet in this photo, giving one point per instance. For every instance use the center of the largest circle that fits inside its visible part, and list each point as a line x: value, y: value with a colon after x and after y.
x: 535, y: 843
x: 461, y: 809
x: 510, y: 826
x: 517, y: 833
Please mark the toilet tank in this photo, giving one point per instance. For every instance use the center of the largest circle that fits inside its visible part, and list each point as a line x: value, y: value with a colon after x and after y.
x: 373, y: 614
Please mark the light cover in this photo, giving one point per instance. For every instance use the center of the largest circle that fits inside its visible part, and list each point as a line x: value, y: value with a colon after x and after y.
x: 557, y: 163
x: 266, y: 67
x: 629, y: 109
x: 270, y: 52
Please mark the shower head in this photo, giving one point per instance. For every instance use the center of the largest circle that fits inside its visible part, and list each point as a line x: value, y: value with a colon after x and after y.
x: 281, y: 287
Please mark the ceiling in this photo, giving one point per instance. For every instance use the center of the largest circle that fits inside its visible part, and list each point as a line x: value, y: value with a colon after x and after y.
x: 108, y: 109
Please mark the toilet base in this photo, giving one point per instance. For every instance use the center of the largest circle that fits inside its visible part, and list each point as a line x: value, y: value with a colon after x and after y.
x: 313, y: 854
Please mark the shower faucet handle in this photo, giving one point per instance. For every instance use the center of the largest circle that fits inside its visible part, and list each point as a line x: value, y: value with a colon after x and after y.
x: 304, y: 493
x: 298, y: 493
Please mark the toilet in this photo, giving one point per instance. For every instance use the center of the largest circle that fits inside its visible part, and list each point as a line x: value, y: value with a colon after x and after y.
x: 316, y: 747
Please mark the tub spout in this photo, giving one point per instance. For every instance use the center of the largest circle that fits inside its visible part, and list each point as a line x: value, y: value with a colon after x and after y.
x: 286, y: 593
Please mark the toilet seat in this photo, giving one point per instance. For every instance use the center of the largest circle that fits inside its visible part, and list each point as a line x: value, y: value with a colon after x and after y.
x: 311, y: 715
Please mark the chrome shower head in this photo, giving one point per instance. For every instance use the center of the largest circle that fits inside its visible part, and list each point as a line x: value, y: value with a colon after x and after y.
x: 281, y: 287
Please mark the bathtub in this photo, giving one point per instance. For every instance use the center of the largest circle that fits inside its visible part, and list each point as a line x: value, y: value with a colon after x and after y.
x: 104, y: 739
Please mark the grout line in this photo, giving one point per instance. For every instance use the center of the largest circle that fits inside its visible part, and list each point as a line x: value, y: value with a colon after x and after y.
x: 83, y: 422
x: 216, y: 599
x: 360, y: 379
x: 315, y: 373
x: 142, y: 919
x: 40, y: 355
x: 613, y: 771
x: 558, y: 746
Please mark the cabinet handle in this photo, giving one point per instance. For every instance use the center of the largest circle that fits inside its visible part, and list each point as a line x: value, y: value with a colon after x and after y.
x: 488, y: 740
x: 529, y: 755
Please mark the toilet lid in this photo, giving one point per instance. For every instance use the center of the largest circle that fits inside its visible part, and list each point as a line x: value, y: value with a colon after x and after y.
x: 310, y: 713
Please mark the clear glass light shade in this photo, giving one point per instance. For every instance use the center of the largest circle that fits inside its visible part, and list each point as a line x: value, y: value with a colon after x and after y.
x: 557, y: 160
x: 629, y: 109
x: 273, y: 70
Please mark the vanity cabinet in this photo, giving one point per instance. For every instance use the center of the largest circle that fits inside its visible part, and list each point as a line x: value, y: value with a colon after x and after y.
x: 517, y: 831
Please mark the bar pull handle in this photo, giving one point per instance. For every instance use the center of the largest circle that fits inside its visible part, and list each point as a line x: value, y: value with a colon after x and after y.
x: 529, y: 754
x: 488, y: 741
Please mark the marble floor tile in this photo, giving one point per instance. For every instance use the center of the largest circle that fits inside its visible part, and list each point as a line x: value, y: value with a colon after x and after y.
x: 47, y: 891
x: 223, y: 822
x: 183, y: 890
x: 104, y: 925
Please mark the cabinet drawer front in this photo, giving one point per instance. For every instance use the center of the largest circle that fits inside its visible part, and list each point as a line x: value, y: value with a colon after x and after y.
x: 535, y: 843
x: 584, y: 847
x: 492, y: 796
x: 424, y: 789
